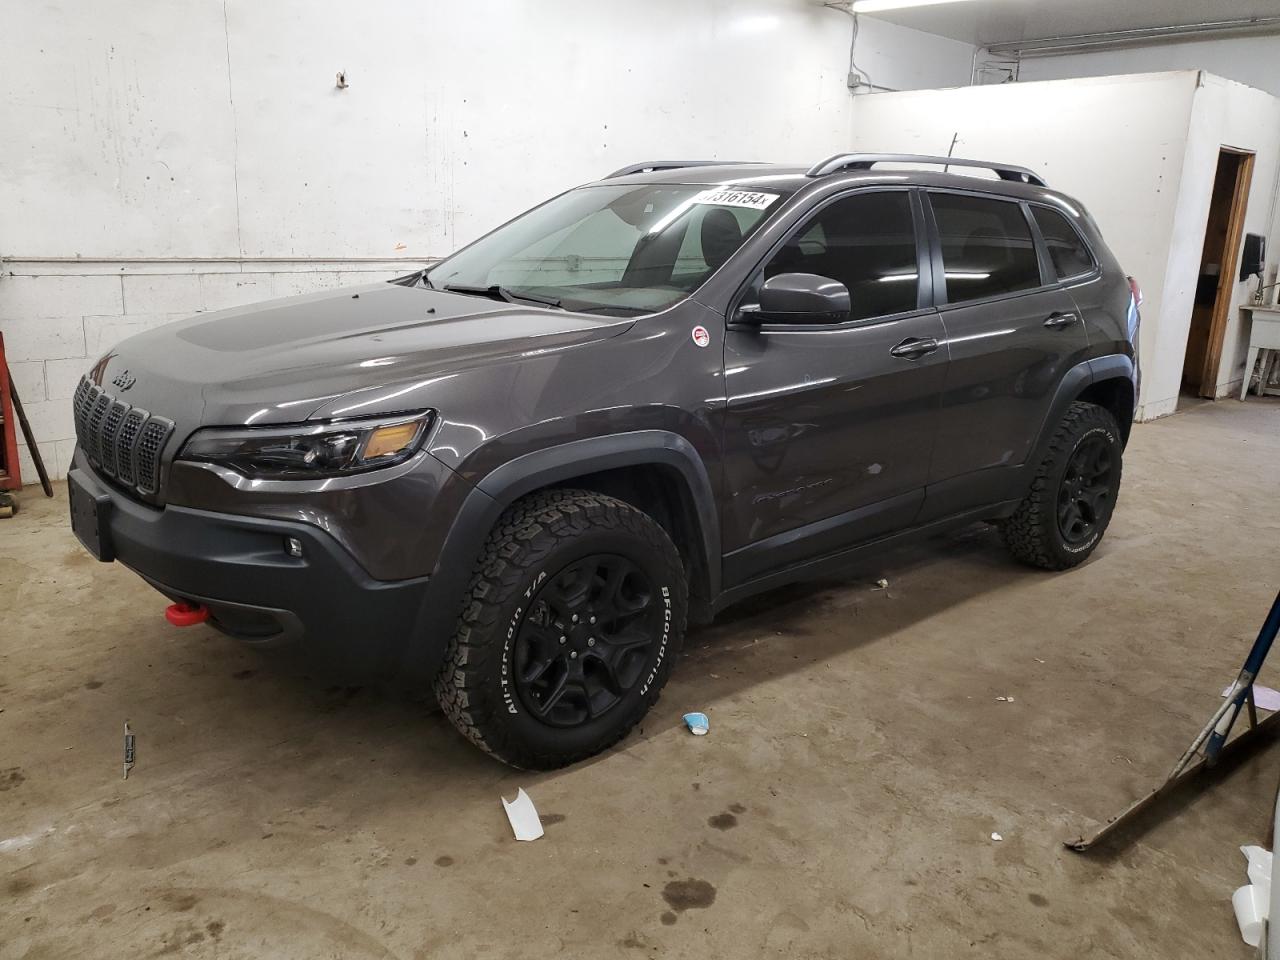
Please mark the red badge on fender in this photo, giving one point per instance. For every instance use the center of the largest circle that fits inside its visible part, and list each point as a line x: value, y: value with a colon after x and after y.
x: 701, y: 336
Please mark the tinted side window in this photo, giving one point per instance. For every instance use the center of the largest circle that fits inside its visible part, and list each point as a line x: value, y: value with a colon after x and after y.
x: 987, y: 248
x: 1067, y: 251
x: 868, y: 243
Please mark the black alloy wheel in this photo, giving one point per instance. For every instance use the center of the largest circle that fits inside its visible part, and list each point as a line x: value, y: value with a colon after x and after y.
x: 585, y: 640
x: 1084, y: 495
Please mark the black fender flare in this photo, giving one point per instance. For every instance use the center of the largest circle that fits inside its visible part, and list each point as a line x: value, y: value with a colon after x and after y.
x: 1117, y: 366
x: 1073, y: 383
x: 532, y: 471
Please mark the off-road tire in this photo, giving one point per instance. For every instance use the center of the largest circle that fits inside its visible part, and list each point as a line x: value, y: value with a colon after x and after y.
x: 1032, y: 534
x: 535, y: 538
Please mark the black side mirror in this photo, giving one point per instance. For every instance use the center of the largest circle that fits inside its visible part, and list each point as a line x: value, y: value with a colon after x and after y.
x: 802, y: 298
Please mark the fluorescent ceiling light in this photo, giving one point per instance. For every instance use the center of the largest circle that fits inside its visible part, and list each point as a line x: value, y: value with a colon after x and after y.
x: 874, y: 6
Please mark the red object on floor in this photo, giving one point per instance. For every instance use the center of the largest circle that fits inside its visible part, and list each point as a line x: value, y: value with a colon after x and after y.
x: 186, y: 614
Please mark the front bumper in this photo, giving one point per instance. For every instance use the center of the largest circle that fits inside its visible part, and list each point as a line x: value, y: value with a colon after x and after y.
x: 323, y: 602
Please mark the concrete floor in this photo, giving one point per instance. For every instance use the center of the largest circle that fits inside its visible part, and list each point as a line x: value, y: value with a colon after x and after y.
x: 842, y: 806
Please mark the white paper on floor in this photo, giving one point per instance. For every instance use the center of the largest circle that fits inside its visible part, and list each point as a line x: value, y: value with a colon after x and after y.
x: 1263, y: 697
x: 523, y: 816
x: 1252, y: 902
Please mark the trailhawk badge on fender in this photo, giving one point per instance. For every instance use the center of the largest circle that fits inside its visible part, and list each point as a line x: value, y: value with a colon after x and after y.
x: 701, y: 335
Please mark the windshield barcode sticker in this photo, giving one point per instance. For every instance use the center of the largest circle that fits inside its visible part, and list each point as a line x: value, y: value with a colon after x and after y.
x: 729, y: 197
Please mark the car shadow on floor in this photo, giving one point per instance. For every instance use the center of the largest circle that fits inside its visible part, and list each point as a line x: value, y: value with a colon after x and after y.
x: 793, y: 627
x: 752, y: 643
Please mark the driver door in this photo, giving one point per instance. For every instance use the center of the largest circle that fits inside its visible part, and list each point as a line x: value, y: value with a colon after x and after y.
x: 829, y: 428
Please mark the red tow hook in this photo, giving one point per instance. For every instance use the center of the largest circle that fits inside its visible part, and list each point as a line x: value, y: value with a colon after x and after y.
x: 186, y: 614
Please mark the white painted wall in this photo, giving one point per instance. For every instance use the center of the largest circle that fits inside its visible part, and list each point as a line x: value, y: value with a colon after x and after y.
x: 1140, y: 153
x: 189, y: 156
x: 900, y: 58
x: 1249, y: 60
x: 1225, y: 113
x: 143, y: 128
x: 1116, y: 144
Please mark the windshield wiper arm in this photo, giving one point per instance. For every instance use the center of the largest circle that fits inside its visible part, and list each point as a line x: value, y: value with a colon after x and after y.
x: 498, y: 292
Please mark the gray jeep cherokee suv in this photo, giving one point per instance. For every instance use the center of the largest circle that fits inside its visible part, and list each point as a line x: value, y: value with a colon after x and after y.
x: 521, y: 471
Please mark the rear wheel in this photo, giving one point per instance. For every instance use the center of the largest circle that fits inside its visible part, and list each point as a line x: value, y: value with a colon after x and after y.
x: 568, y: 632
x: 1065, y: 513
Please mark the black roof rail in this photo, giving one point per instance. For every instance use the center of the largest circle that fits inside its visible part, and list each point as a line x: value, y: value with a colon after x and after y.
x: 865, y: 161
x: 649, y: 166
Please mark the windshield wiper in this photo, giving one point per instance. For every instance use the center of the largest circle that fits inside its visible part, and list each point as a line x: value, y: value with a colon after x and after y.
x: 413, y: 279
x: 498, y: 292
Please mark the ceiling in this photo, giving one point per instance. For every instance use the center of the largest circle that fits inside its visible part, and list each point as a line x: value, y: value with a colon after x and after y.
x: 999, y: 21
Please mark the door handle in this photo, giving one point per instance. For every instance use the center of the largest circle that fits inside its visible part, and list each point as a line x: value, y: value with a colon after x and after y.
x: 913, y: 348
x: 1059, y: 320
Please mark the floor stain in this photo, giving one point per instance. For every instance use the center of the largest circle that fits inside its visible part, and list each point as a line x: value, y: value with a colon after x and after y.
x: 445, y: 861
x: 338, y: 698
x: 93, y: 685
x: 215, y: 928
x: 11, y: 778
x: 19, y: 886
x: 179, y: 939
x: 410, y: 861
x: 737, y: 808
x: 691, y: 894
x: 182, y: 902
x: 1038, y: 899
x: 548, y: 819
x: 668, y: 918
x: 723, y: 821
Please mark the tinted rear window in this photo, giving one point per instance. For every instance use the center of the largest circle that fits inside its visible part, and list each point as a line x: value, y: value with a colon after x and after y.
x: 987, y: 248
x: 1067, y: 251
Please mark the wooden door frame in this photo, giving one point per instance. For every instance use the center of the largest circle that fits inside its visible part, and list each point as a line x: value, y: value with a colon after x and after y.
x: 1227, y: 271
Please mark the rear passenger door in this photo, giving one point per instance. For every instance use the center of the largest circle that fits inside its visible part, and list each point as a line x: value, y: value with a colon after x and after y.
x: 1012, y: 331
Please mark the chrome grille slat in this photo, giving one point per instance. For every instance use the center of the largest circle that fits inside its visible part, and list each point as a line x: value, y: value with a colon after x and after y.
x: 125, y: 443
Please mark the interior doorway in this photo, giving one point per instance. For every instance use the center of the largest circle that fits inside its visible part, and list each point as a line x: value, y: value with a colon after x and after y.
x: 1217, y: 277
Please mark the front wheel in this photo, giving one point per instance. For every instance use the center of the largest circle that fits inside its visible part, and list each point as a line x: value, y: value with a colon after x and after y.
x: 568, y: 632
x: 1065, y: 513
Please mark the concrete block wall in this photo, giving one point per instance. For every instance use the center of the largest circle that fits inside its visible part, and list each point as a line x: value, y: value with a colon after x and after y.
x: 57, y: 319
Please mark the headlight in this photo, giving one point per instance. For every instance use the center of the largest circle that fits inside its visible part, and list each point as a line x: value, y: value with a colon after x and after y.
x: 309, y: 450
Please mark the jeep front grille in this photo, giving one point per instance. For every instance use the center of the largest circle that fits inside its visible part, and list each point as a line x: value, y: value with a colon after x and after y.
x: 123, y: 442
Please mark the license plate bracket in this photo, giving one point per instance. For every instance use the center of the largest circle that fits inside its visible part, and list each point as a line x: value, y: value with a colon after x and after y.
x: 90, y: 517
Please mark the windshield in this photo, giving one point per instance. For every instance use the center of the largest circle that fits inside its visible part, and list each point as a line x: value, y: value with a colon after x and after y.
x: 610, y: 249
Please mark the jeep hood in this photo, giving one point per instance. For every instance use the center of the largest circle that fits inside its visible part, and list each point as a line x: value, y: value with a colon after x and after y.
x: 285, y: 360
